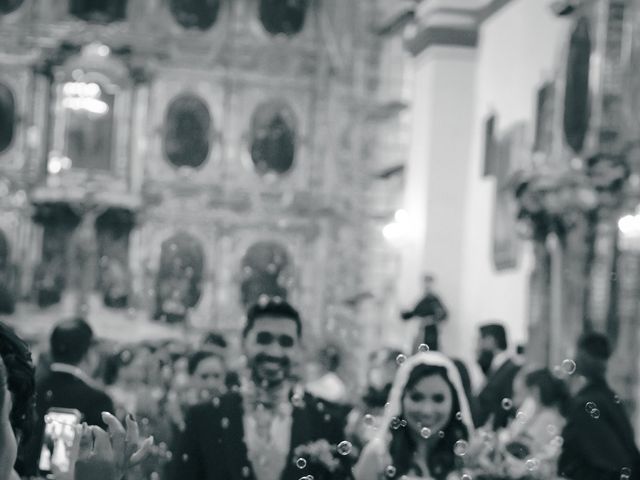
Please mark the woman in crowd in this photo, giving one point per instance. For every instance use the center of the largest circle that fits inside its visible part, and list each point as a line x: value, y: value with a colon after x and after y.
x: 364, y: 420
x: 541, y: 400
x: 428, y: 419
x: 101, y: 455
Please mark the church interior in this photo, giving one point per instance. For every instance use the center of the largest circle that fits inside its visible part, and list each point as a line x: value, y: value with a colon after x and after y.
x: 165, y: 164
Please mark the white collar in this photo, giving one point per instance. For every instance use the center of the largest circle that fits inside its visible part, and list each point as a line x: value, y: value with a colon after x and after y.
x: 76, y: 372
x: 499, y: 360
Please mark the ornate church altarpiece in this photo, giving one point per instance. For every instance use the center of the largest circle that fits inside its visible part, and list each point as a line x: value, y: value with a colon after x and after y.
x: 178, y: 163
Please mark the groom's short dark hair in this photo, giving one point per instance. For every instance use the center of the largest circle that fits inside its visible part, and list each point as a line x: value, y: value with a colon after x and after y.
x: 272, y: 308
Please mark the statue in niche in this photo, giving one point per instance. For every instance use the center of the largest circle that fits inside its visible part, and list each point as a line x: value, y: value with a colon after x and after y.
x: 50, y: 276
x: 7, y: 117
x: 8, y: 6
x: 187, y: 129
x: 179, y: 281
x: 113, y: 228
x: 7, y: 277
x: 283, y: 16
x: 99, y: 11
x: 195, y: 14
x: 265, y: 269
x: 273, y: 139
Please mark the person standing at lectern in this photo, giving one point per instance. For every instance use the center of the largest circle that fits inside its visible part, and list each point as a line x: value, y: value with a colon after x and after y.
x: 431, y: 312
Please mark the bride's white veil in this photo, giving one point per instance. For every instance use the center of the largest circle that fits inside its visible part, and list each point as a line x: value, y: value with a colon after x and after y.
x: 394, y: 407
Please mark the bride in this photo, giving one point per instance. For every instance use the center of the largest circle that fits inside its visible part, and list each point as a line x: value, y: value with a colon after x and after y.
x: 426, y: 424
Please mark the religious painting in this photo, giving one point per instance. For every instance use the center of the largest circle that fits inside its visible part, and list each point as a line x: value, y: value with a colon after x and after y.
x: 7, y: 117
x: 7, y: 277
x: 112, y: 231
x: 284, y: 17
x: 576, y: 97
x: 195, y: 14
x: 99, y: 11
x: 273, y: 138
x: 266, y: 271
x: 89, y: 121
x: 511, y: 155
x: 179, y: 281
x: 8, y: 6
x: 544, y: 118
x: 187, y: 131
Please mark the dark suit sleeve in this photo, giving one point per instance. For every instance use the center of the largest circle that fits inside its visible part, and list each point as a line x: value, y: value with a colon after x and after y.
x: 187, y: 461
x: 103, y: 403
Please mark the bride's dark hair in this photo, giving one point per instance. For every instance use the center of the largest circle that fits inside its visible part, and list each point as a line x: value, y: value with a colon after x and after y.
x: 442, y: 459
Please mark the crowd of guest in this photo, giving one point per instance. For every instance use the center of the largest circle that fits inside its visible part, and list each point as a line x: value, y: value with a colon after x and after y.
x: 417, y: 416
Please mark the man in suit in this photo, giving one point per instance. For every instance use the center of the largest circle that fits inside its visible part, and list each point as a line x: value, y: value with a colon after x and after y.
x: 68, y: 384
x: 500, y: 370
x: 431, y: 312
x: 258, y: 431
x: 598, y: 440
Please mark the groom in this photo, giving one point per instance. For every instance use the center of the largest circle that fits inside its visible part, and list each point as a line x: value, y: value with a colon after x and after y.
x: 258, y: 432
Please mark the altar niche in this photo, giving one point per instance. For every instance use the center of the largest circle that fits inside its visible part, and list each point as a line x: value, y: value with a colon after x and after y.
x: 266, y: 272
x: 179, y: 280
x: 91, y: 111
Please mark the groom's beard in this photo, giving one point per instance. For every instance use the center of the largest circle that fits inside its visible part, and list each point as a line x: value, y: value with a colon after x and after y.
x: 268, y: 371
x: 485, y: 358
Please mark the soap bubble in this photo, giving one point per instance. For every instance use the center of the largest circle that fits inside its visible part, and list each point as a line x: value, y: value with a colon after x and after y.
x: 507, y: 403
x: 390, y: 471
x: 301, y: 463
x: 532, y: 464
x: 423, y: 347
x: 568, y: 366
x: 344, y: 448
x: 400, y: 359
x: 460, y: 448
x: 395, y: 423
x: 459, y: 415
x: 425, y: 432
x: 590, y: 406
x: 368, y: 419
x: 595, y: 414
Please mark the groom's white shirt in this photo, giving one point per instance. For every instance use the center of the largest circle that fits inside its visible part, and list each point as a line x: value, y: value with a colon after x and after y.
x: 267, y: 433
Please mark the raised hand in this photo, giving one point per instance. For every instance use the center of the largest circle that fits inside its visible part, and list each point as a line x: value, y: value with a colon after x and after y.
x: 107, y: 456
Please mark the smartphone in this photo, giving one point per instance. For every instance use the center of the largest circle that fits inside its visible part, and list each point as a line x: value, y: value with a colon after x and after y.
x: 58, y: 439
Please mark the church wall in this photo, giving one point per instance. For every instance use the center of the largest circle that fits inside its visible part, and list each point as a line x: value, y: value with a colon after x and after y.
x: 518, y: 50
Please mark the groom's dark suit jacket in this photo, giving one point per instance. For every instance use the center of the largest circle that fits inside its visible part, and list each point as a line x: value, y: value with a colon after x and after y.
x: 212, y: 446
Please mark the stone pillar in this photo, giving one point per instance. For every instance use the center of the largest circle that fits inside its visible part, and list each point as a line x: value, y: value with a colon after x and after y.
x: 444, y: 46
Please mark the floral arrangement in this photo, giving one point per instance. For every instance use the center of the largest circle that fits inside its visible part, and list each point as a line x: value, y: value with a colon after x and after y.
x: 553, y: 199
x: 492, y: 456
x: 319, y: 457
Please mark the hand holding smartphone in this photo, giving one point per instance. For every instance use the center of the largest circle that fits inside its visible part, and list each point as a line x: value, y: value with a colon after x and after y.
x: 58, y: 442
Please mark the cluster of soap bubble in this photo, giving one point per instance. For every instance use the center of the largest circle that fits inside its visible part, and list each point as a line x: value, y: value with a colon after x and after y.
x: 592, y: 409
